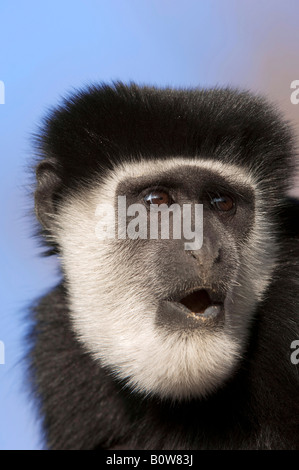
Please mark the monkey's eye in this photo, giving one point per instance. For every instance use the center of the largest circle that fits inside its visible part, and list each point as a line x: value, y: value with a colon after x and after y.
x: 223, y: 203
x: 157, y: 197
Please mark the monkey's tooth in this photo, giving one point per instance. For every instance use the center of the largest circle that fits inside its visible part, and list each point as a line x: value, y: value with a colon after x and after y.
x: 212, y: 311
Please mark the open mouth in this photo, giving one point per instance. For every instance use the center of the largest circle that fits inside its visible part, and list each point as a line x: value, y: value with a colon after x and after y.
x: 191, y: 309
x: 202, y: 303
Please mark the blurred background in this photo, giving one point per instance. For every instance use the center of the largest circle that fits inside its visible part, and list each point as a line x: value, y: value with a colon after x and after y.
x: 50, y: 48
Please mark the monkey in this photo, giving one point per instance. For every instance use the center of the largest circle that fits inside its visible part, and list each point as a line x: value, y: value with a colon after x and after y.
x: 157, y: 343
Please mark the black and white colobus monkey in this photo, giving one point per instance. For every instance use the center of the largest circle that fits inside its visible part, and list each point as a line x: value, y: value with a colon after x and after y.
x: 145, y: 344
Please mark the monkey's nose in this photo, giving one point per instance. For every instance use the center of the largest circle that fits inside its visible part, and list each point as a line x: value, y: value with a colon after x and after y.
x: 207, y: 256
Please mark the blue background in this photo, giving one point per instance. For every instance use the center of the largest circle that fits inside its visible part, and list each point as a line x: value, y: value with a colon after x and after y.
x: 47, y: 49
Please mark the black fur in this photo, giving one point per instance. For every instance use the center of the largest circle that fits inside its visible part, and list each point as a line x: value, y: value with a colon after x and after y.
x: 98, y: 127
x: 82, y: 405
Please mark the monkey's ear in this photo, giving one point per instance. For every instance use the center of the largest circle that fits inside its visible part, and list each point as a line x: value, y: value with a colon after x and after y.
x: 46, y: 193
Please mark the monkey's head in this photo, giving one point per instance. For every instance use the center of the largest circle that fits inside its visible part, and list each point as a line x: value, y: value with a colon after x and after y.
x: 167, y: 312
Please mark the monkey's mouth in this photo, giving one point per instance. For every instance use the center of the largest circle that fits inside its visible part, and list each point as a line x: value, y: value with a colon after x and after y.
x: 202, y: 303
x: 193, y: 309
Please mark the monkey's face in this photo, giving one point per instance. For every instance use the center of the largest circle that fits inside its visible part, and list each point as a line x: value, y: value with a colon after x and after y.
x: 167, y: 308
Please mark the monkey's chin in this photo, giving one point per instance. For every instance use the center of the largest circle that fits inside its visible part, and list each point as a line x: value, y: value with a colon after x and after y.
x: 185, y: 364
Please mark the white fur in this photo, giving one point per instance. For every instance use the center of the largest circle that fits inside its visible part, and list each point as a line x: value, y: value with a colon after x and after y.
x: 113, y: 311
